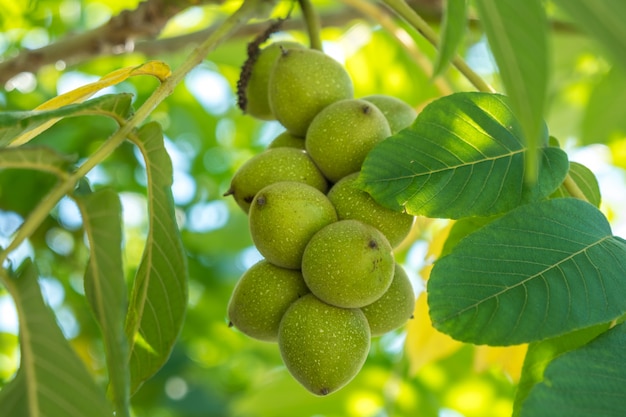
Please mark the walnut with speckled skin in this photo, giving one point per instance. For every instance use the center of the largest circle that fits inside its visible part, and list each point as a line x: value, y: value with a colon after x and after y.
x: 348, y: 264
x: 283, y: 218
x: 323, y: 346
x: 302, y: 83
x: 341, y: 136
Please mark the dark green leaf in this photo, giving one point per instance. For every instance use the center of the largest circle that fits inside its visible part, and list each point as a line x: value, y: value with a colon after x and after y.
x: 453, y: 27
x: 105, y: 287
x: 540, y: 271
x: 602, y: 20
x: 586, y: 182
x: 463, y: 156
x: 19, y: 126
x: 517, y: 34
x: 159, y: 294
x: 588, y: 381
x: 604, y: 114
x: 540, y: 354
x: 39, y: 158
x: 51, y: 380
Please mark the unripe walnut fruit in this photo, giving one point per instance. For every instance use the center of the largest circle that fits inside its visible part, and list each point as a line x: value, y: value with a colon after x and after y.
x: 302, y: 83
x: 341, y: 136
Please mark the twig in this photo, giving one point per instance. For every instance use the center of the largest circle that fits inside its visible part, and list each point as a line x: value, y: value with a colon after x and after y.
x: 313, y: 25
x: 573, y: 189
x: 414, y: 19
x: 386, y: 22
x: 248, y: 9
x: 117, y: 36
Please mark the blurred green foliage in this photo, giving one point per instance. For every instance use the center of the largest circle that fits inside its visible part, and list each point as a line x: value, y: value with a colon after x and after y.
x: 215, y: 370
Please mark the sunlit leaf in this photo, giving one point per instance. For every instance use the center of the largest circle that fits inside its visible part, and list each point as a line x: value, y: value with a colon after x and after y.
x: 463, y: 156
x: 453, y: 27
x: 39, y: 158
x: 424, y: 343
x: 517, y: 32
x: 159, y: 295
x: 17, y: 128
x: 602, y: 20
x: 540, y: 271
x: 105, y: 286
x: 51, y: 380
x: 588, y: 381
x: 586, y: 182
x: 604, y: 113
x: 540, y: 354
x: 158, y: 69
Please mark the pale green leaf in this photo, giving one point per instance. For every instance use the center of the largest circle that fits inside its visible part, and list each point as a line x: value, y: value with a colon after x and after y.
x: 540, y: 271
x: 604, y: 114
x: 463, y: 156
x: 603, y: 20
x: 159, y: 294
x: 38, y: 158
x: 461, y: 229
x: 51, y: 381
x: 453, y: 28
x: 586, y: 182
x: 17, y: 127
x: 105, y: 286
x: 540, y: 354
x: 588, y: 381
x: 517, y: 32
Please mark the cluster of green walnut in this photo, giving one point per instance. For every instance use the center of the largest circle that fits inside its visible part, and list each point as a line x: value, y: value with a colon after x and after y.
x: 328, y: 282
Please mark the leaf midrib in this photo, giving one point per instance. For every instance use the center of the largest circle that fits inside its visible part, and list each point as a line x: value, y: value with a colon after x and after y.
x: 523, y: 282
x: 451, y: 167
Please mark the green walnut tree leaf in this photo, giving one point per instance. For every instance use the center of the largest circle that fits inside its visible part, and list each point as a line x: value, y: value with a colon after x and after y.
x: 159, y: 295
x: 588, y: 381
x: 604, y: 118
x: 540, y: 271
x: 463, y: 156
x: 586, y: 182
x: 453, y: 27
x: 540, y: 354
x: 38, y: 158
x: 22, y: 125
x: 105, y: 286
x: 51, y: 380
x: 517, y: 32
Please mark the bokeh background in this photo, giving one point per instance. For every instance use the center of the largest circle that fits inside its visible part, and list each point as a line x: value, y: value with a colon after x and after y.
x: 215, y: 370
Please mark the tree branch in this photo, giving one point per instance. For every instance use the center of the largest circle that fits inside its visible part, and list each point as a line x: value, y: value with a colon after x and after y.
x: 137, y: 30
x: 117, y: 36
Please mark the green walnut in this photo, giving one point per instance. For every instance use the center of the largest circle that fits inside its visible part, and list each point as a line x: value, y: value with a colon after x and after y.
x: 286, y: 140
x: 399, y: 114
x: 394, y: 308
x: 258, y: 104
x: 283, y: 218
x: 323, y: 347
x: 341, y: 136
x: 270, y: 166
x: 302, y: 83
x: 353, y: 203
x: 261, y: 297
x: 348, y: 264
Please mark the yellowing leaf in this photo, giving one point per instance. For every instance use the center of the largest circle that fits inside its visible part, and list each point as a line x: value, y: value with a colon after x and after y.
x: 157, y: 69
x: 508, y: 359
x: 435, y: 248
x: 424, y: 344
